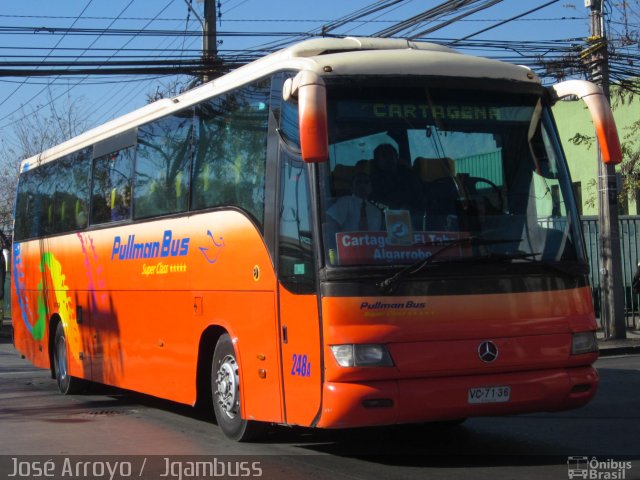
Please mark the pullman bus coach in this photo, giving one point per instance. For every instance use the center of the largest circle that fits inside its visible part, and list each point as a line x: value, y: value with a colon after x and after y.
x: 349, y: 232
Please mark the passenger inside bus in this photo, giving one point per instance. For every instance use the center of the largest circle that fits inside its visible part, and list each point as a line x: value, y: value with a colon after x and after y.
x: 394, y: 185
x: 441, y: 192
x: 355, y: 212
x: 120, y: 203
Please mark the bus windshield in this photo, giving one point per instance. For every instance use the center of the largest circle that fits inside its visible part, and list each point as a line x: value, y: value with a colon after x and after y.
x: 413, y: 169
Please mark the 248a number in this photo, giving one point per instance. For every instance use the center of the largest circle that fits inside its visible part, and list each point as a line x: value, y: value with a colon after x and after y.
x: 301, y: 366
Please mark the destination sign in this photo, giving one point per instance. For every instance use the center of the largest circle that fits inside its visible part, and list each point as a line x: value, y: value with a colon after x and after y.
x: 357, y: 248
x: 433, y: 112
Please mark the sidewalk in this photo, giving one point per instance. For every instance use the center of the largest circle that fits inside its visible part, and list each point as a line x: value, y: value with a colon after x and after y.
x: 630, y: 345
x: 608, y: 348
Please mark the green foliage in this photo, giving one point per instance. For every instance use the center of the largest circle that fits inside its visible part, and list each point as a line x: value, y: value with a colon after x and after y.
x: 591, y: 196
x: 630, y: 167
x: 580, y: 139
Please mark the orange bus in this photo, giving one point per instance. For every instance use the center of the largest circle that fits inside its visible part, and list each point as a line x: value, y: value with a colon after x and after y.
x: 348, y: 232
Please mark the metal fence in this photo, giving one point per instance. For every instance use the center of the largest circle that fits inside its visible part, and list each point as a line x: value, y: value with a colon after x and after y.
x: 630, y: 255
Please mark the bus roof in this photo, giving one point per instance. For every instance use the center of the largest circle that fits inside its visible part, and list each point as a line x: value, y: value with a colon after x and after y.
x: 327, y: 57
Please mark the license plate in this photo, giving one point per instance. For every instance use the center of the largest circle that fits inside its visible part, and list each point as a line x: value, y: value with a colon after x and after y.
x: 489, y: 394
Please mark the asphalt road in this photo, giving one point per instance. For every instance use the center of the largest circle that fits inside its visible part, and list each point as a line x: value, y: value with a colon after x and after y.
x: 108, y: 433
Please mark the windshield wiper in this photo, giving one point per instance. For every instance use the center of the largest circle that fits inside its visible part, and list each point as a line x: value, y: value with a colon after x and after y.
x: 528, y: 257
x: 388, y: 285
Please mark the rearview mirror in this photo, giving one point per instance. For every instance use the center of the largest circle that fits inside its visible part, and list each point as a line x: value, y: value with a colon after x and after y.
x: 601, y: 115
x: 309, y: 88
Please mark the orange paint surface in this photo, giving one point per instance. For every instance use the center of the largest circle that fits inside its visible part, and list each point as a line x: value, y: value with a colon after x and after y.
x: 136, y: 300
x: 146, y: 293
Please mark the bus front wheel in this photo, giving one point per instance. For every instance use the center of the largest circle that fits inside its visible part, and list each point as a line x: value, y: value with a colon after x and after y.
x: 67, y: 384
x: 225, y: 390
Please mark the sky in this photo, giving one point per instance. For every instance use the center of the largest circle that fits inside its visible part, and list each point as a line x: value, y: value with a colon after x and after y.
x: 102, y: 98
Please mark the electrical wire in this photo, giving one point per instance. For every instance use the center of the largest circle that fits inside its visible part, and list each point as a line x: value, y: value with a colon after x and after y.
x: 507, y: 21
x: 548, y: 58
x: 79, y: 82
x: 47, y: 56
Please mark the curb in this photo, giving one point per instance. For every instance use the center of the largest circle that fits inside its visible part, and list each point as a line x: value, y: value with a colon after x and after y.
x: 623, y: 350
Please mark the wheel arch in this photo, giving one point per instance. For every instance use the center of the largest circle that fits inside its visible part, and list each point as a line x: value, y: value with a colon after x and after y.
x: 54, y: 320
x: 206, y: 346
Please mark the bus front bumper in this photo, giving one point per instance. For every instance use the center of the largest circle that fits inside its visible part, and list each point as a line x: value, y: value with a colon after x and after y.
x: 347, y: 405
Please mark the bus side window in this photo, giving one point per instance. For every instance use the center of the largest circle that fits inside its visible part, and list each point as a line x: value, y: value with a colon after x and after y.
x: 27, y: 214
x: 70, y: 179
x: 162, y: 165
x: 296, y: 267
x: 231, y: 150
x: 111, y: 195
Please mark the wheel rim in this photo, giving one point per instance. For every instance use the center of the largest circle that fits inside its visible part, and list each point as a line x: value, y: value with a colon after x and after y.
x: 227, y: 387
x: 61, y: 357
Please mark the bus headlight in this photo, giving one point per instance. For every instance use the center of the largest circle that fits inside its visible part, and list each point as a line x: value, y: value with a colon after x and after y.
x: 584, y: 342
x: 366, y: 355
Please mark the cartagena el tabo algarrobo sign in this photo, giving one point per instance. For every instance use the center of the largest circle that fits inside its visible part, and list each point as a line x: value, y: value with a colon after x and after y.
x: 593, y: 468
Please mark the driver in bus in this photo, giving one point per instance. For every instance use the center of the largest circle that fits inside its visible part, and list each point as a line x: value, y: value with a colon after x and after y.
x: 353, y: 213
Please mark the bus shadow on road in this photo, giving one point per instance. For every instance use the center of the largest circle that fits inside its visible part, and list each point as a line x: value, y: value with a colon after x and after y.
x: 426, y: 445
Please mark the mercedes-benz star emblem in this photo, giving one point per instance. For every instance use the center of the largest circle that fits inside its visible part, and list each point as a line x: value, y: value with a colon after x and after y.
x: 487, y: 351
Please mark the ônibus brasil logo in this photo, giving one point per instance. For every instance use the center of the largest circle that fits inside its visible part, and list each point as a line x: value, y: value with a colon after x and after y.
x: 592, y: 468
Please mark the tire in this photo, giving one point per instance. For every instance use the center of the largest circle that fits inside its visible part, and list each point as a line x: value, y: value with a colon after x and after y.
x: 225, y: 392
x: 67, y: 384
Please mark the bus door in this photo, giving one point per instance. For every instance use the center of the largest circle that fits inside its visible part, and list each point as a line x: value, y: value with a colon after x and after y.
x: 298, y: 301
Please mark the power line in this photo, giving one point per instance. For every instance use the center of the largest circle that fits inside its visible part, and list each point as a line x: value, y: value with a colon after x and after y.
x: 457, y: 18
x: 50, y: 51
x: 507, y: 20
x: 96, y: 80
x: 132, y: 94
x: 126, y: 32
x: 79, y: 82
x: 298, y: 20
x: 45, y: 88
x: 435, y: 12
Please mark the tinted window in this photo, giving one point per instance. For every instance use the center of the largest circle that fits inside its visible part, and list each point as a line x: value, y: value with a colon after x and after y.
x: 71, y: 176
x: 286, y: 113
x: 29, y: 204
x: 111, y: 194
x: 296, y: 267
x: 53, y: 198
x: 231, y: 150
x: 162, y: 165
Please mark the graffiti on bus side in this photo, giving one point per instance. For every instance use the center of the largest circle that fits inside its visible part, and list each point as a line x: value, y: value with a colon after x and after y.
x: 51, y: 279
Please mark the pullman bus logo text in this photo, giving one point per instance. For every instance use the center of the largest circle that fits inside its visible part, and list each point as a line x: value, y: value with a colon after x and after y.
x: 132, y: 250
x: 391, y: 306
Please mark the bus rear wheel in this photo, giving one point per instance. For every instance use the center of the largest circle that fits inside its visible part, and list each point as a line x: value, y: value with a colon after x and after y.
x: 225, y: 391
x: 67, y: 384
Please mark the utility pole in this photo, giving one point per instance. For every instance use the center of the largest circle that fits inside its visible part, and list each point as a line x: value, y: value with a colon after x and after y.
x: 612, y: 314
x: 209, y: 40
